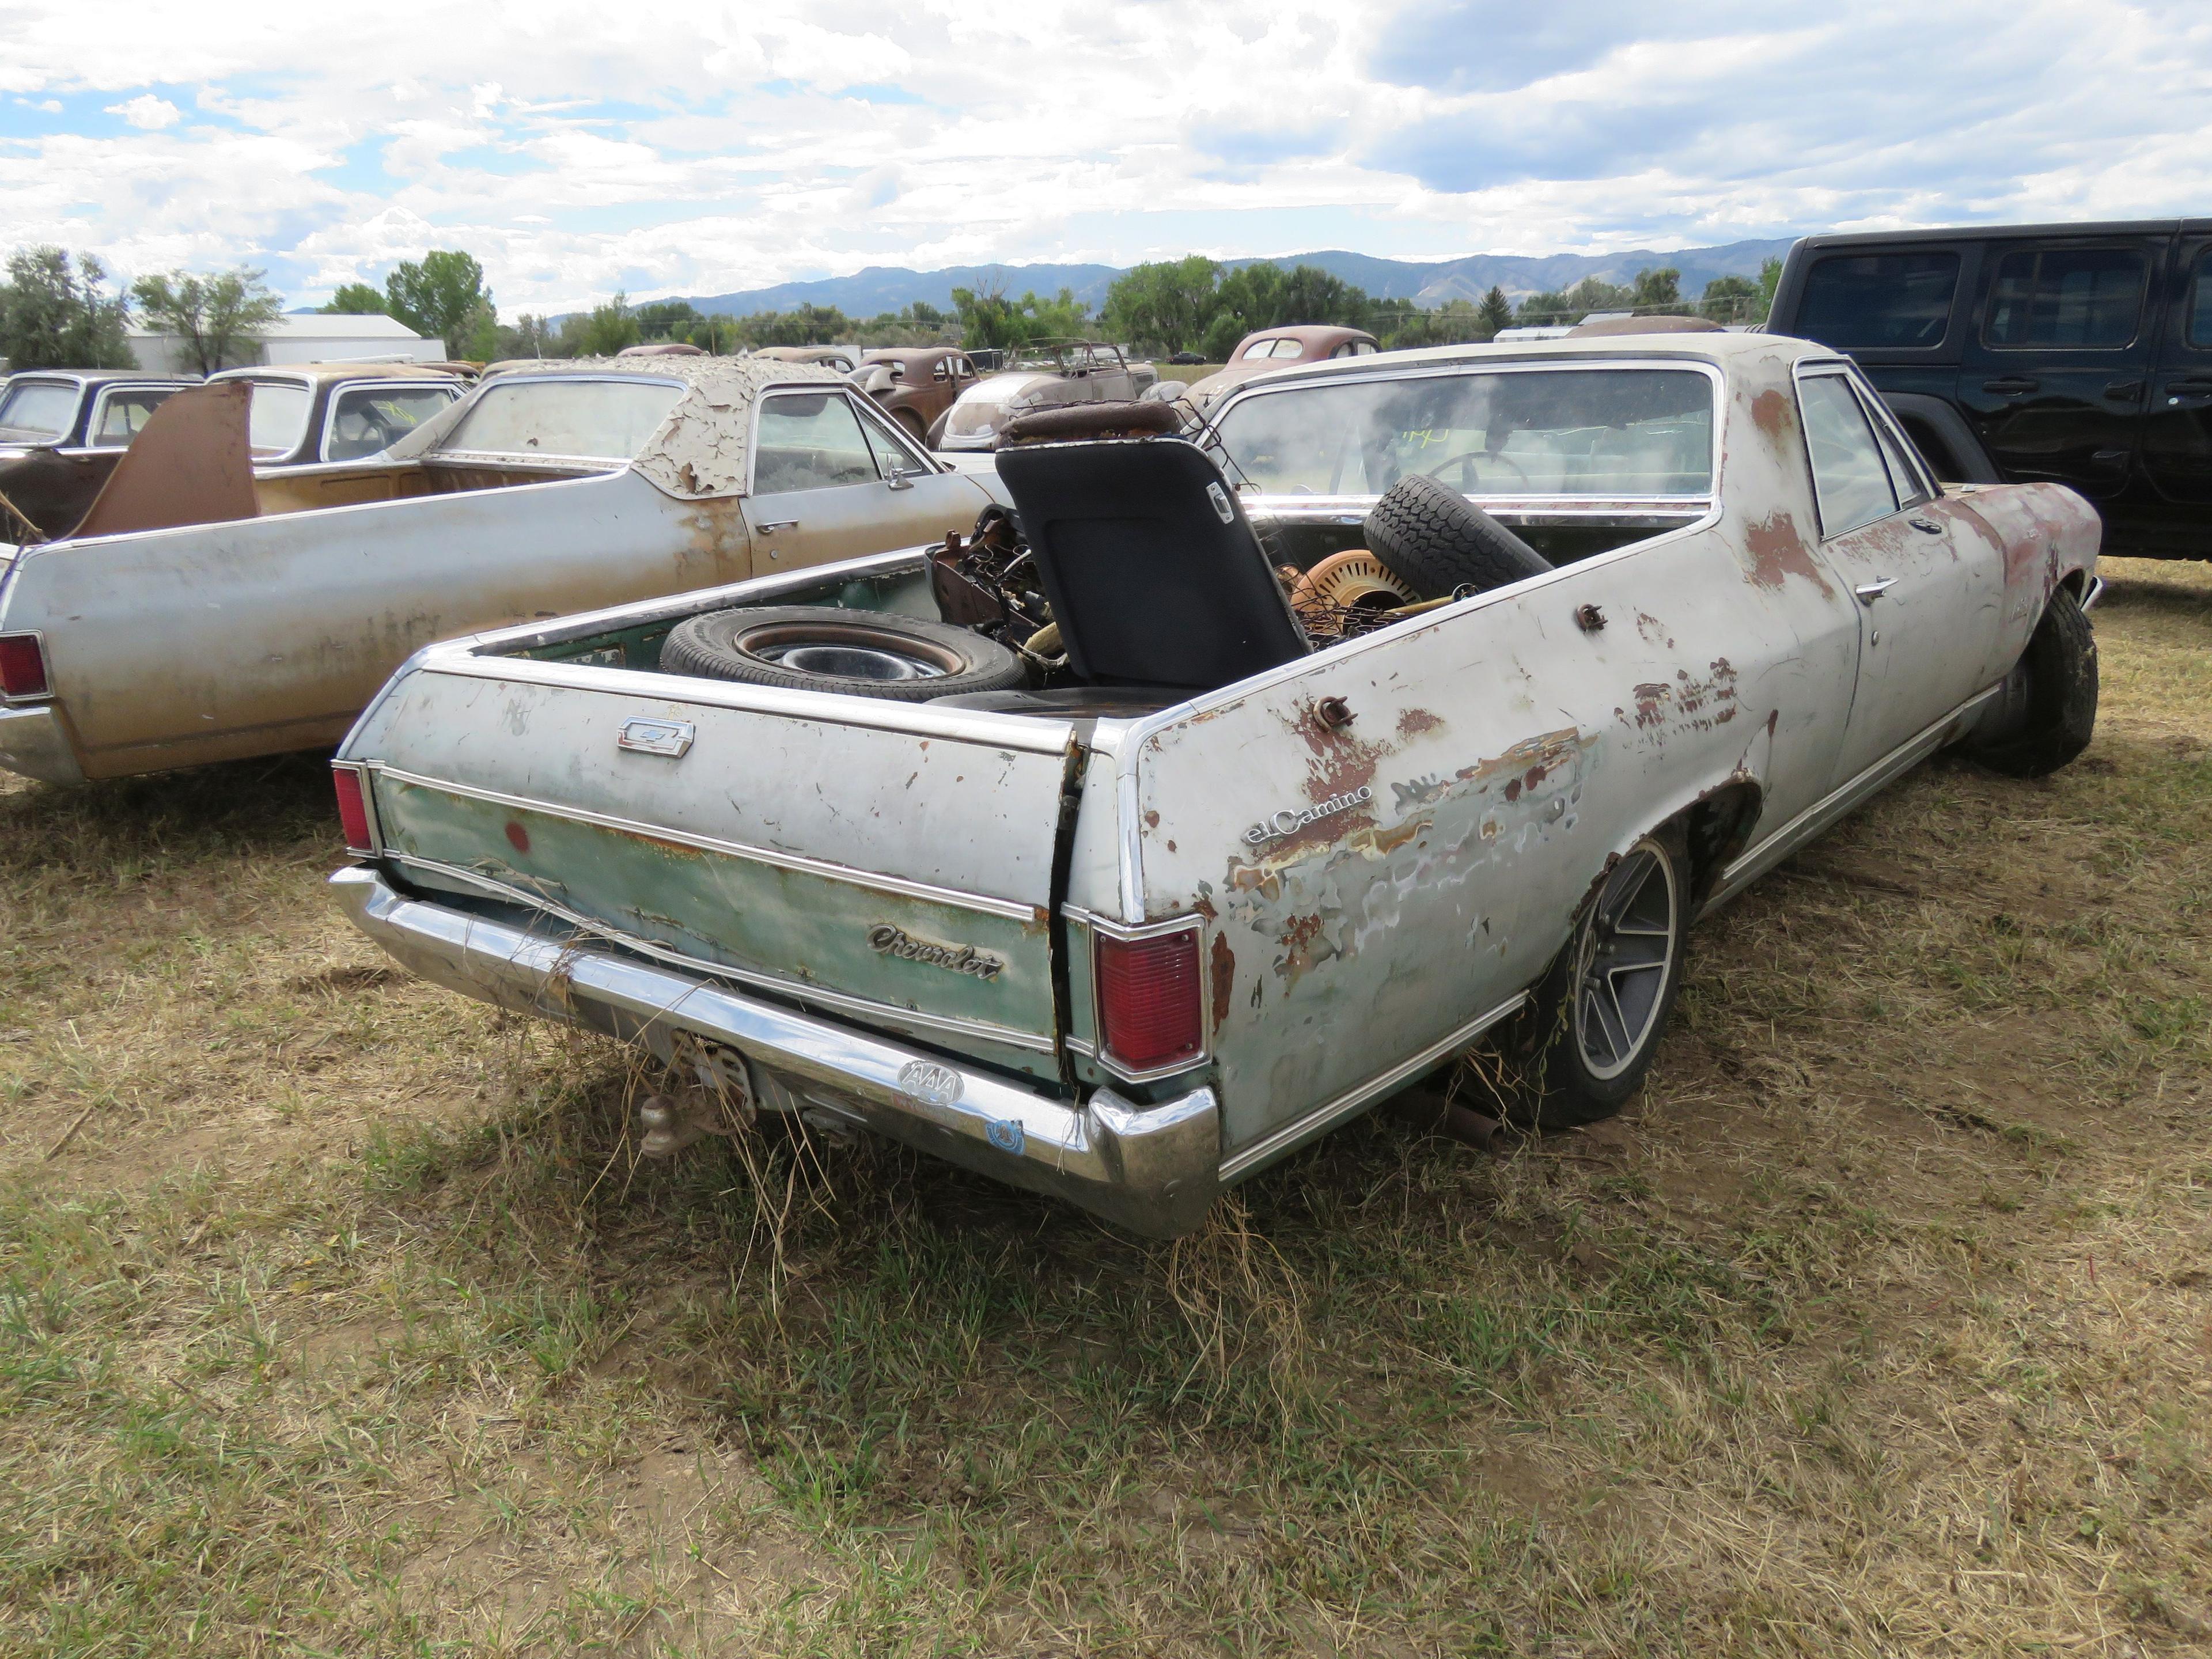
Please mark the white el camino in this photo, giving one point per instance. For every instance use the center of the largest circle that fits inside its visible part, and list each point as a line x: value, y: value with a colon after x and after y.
x: 1119, y: 865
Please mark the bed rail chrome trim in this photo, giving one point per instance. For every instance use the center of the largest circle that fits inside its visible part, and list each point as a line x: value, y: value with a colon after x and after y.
x: 889, y: 1013
x: 1150, y: 1168
x: 1014, y: 909
x: 1326, y: 1117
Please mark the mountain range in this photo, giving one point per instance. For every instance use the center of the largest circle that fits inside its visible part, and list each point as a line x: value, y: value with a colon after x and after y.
x: 1427, y: 282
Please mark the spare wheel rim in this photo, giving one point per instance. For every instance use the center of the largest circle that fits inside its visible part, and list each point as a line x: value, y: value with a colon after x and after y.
x: 847, y: 651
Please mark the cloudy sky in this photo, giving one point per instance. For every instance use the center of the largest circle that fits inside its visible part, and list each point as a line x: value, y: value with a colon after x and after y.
x: 576, y: 149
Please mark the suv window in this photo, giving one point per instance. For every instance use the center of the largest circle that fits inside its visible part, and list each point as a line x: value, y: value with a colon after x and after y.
x: 810, y: 441
x: 1849, y: 477
x: 2085, y: 298
x: 1879, y: 299
x: 2200, y: 301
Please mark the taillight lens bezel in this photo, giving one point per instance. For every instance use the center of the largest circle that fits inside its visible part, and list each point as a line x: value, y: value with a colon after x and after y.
x: 23, y: 675
x: 357, y: 813
x: 1137, y: 1047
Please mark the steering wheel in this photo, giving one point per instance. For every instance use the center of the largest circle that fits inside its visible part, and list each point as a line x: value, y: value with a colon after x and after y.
x: 1470, y: 478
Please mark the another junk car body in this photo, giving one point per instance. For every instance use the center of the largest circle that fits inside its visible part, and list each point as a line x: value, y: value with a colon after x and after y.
x: 61, y: 432
x: 304, y: 413
x: 543, y: 491
x: 1047, y: 375
x: 1130, y: 932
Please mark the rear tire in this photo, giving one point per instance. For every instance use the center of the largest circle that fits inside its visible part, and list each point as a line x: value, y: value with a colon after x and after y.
x: 1438, y: 542
x: 1598, y: 1017
x: 805, y: 648
x: 2060, y: 666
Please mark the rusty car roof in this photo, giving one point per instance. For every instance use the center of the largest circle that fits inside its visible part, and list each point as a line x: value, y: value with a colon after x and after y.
x: 699, y: 451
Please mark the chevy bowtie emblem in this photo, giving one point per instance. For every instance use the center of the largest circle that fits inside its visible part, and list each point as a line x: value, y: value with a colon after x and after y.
x: 669, y: 738
x: 956, y: 958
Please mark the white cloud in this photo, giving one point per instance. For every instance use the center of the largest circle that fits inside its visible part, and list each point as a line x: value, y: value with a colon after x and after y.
x: 802, y: 137
x: 147, y: 112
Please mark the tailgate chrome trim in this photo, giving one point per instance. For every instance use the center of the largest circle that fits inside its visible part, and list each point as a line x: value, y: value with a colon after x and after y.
x: 1013, y: 909
x: 978, y: 1030
x: 1150, y: 1168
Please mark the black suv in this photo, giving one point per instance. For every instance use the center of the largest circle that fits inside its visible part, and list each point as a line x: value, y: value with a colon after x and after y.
x: 2077, y: 353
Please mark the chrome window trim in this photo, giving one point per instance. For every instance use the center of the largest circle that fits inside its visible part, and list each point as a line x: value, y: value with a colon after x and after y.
x: 339, y: 390
x: 99, y: 402
x: 1884, y: 420
x: 797, y: 990
x: 1267, y: 386
x: 1329, y: 1114
x: 981, y: 904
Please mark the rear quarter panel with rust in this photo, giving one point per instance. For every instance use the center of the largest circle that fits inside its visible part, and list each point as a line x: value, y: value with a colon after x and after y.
x: 2051, y: 537
x: 1507, y: 754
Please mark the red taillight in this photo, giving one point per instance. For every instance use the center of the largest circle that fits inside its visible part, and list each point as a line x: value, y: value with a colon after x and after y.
x: 353, y: 808
x: 1149, y: 1012
x: 22, y: 665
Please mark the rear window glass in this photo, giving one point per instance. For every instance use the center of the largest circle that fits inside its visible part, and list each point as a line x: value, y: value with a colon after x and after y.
x: 1582, y: 432
x: 1892, y: 300
x: 36, y: 412
x: 123, y: 416
x: 2200, y: 301
x: 602, y: 420
x: 2083, y: 298
x: 277, y: 418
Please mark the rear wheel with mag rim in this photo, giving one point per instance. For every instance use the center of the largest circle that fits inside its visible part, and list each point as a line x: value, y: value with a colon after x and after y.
x: 1602, y: 1010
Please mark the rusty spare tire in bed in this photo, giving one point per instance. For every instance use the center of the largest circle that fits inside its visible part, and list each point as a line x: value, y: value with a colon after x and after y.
x: 1438, y: 541
x: 862, y: 653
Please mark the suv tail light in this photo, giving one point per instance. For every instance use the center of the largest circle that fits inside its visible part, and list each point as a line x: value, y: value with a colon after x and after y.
x: 353, y: 808
x: 1149, y: 1012
x: 22, y: 665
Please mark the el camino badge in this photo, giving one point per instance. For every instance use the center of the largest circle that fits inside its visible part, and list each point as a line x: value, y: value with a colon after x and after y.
x: 669, y: 738
x: 887, y: 940
x: 1289, y: 823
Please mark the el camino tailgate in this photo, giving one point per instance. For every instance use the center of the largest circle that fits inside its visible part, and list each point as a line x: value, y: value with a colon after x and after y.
x: 898, y: 879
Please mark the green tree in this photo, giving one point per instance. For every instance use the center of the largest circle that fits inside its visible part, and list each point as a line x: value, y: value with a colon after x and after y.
x: 668, y: 319
x: 355, y: 300
x: 601, y: 332
x: 441, y: 297
x: 54, y: 315
x: 1545, y: 307
x: 1164, y: 305
x: 217, y: 317
x: 1730, y: 300
x: 1770, y: 278
x: 1657, y: 291
x: 1497, y: 312
x: 990, y: 321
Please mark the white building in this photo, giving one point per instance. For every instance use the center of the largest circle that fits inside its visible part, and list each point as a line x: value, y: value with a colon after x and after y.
x: 314, y: 337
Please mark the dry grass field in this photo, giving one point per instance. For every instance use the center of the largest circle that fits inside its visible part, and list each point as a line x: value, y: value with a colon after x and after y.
x: 336, y: 1316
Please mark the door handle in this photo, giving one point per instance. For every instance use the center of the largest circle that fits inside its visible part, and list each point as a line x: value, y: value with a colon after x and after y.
x: 2011, y: 385
x: 777, y: 524
x: 1869, y: 591
x: 2192, y: 387
x: 1926, y: 526
x: 2124, y: 390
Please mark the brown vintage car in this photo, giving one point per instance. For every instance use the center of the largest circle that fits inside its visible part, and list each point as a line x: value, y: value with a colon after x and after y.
x: 916, y: 384
x: 1279, y: 348
x: 307, y: 413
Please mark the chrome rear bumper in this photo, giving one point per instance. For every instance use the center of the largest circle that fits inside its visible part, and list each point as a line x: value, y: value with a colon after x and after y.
x: 33, y: 743
x: 1150, y: 1168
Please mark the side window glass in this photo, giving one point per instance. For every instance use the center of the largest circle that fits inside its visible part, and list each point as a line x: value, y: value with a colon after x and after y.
x: 1849, y: 479
x: 891, y: 455
x: 2200, y: 301
x: 123, y: 416
x: 366, y: 420
x: 810, y: 441
x: 2083, y: 298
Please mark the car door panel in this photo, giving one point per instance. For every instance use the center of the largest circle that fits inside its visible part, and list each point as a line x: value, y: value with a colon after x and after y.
x: 821, y: 489
x: 2178, y: 433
